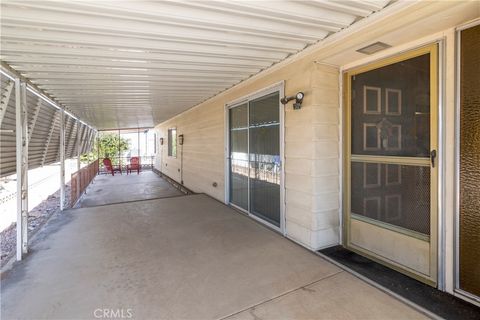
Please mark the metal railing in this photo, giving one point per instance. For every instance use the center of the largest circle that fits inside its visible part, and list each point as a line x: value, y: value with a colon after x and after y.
x: 265, y: 171
x: 146, y: 162
x: 81, y: 179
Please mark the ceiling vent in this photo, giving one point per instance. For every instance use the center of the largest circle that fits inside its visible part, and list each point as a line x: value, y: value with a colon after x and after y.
x: 373, y: 48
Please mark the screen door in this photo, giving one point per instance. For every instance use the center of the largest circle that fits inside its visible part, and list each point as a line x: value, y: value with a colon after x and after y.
x: 392, y: 162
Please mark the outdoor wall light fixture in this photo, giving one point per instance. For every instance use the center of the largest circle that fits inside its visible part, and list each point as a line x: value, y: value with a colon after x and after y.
x: 161, y: 141
x: 298, y: 100
x: 180, y: 139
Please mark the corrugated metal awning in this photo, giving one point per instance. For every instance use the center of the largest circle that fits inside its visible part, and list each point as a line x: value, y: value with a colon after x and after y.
x: 124, y: 64
x: 43, y: 131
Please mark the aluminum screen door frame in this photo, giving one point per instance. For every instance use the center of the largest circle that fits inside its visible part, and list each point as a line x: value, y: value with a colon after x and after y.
x: 277, y: 87
x: 379, y: 227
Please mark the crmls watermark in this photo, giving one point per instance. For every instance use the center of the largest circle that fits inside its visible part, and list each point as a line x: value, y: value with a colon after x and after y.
x: 110, y: 313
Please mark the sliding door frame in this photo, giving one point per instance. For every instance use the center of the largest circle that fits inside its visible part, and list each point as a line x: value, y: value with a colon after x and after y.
x: 280, y: 88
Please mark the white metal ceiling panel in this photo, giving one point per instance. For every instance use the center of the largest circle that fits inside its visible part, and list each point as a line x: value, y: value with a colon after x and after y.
x: 137, y: 63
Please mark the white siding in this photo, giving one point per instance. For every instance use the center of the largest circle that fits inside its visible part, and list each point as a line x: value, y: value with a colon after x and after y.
x: 311, y: 149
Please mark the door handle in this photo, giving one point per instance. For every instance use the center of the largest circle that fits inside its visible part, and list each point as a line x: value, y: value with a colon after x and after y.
x: 433, y: 155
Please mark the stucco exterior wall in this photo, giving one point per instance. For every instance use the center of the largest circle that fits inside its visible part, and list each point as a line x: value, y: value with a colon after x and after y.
x: 311, y: 149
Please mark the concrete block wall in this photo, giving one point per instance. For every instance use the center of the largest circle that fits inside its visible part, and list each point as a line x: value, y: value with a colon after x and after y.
x: 311, y: 149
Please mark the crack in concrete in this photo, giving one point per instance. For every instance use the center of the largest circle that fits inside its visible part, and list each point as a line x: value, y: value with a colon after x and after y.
x: 251, y: 309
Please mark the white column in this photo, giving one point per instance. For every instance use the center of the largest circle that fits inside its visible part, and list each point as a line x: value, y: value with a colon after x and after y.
x: 79, y: 151
x: 22, y: 167
x: 62, y: 159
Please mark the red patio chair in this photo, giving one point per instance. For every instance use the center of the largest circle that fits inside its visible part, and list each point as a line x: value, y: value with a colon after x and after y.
x: 134, y: 165
x: 110, y: 168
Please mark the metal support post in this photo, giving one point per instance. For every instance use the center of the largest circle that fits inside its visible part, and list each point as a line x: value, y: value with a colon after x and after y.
x: 79, y: 151
x: 119, y: 160
x: 98, y: 151
x: 62, y: 159
x: 138, y: 141
x: 22, y: 167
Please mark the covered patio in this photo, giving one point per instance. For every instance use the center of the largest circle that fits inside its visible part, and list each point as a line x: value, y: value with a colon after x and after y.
x: 263, y: 134
x: 108, y: 189
x: 187, y: 257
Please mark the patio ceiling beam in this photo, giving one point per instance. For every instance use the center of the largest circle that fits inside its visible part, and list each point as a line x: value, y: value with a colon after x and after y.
x: 91, y: 72
x: 118, y: 97
x: 158, y: 92
x: 89, y: 103
x: 71, y: 38
x: 69, y: 140
x: 366, y: 4
x: 110, y: 80
x: 340, y: 7
x: 30, y: 63
x: 125, y: 99
x: 86, y: 132
x: 132, y: 75
x: 182, y: 15
x: 235, y: 41
x: 126, y: 90
x: 134, y: 104
x: 21, y: 48
x: 36, y: 111
x: 88, y: 140
x: 50, y: 134
x: 146, y: 102
x: 121, y: 87
x: 127, y: 94
x: 6, y: 99
x: 254, y: 10
x: 86, y: 145
x: 80, y: 139
x: 85, y: 141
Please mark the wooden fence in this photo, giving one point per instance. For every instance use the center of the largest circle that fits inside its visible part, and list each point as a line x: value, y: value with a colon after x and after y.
x: 86, y: 175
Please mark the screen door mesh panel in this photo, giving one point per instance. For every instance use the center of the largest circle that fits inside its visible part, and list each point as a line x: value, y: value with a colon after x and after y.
x: 264, y: 143
x: 390, y: 114
x: 470, y: 161
x: 395, y: 194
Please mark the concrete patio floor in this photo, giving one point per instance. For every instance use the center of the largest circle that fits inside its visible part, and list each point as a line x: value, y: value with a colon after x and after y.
x: 108, y: 189
x: 188, y: 257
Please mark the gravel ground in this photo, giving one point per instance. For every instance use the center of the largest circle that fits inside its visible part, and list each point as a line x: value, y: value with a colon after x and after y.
x: 36, y: 219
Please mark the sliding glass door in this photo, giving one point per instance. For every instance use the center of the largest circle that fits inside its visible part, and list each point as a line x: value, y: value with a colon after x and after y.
x: 255, y: 158
x: 239, y: 164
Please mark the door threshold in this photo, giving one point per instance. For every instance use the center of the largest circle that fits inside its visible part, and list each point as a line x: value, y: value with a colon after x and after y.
x: 432, y: 300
